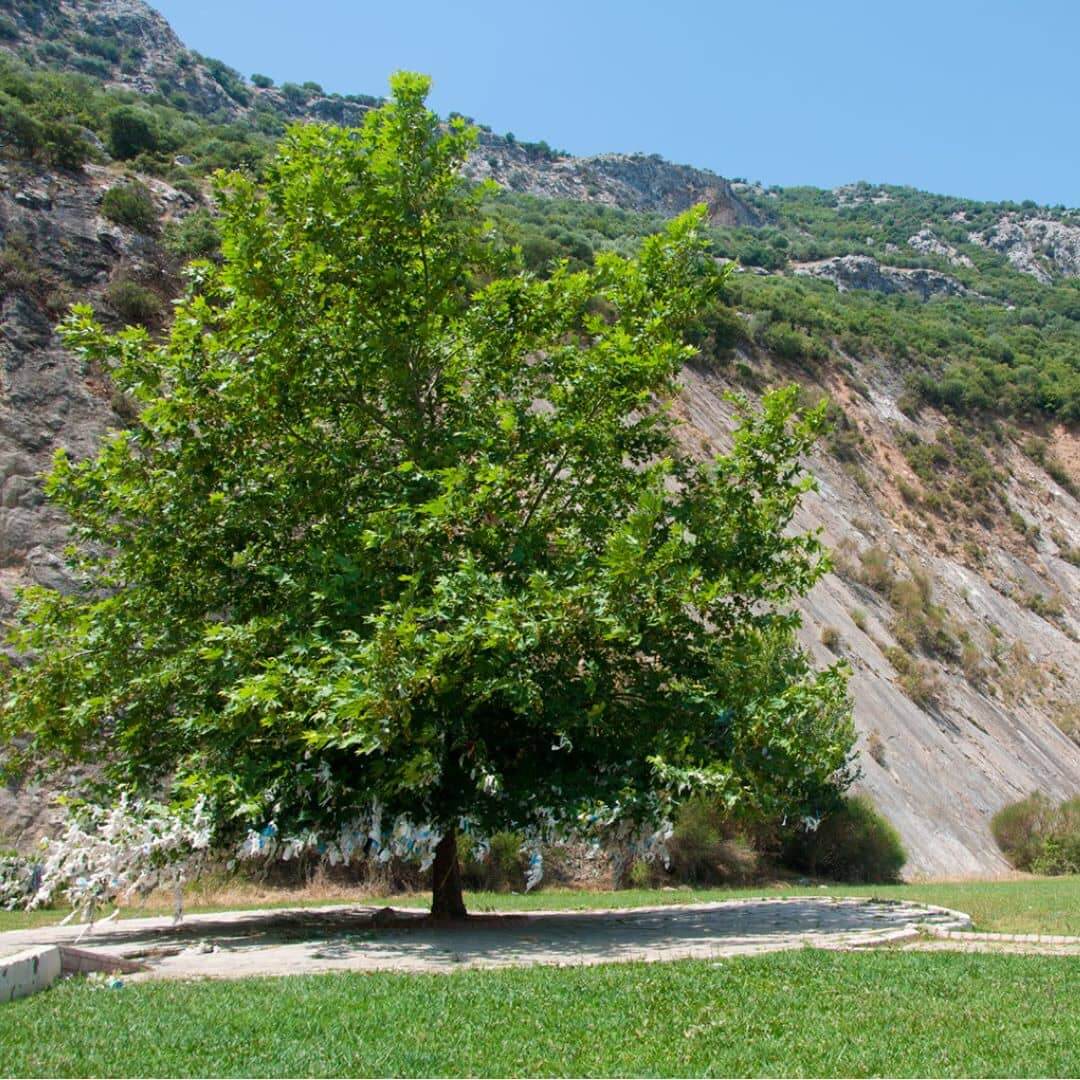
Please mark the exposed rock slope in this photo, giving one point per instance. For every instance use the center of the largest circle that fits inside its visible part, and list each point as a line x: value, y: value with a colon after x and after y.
x: 863, y: 272
x: 939, y: 756
x: 630, y: 181
x: 1039, y: 246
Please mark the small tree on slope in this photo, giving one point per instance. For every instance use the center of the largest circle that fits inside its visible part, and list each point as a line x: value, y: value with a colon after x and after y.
x: 402, y: 527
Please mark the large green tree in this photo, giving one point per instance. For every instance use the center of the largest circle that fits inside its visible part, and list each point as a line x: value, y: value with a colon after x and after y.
x: 402, y: 526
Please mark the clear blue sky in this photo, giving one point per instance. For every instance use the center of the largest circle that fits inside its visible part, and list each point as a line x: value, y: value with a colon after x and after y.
x: 954, y: 96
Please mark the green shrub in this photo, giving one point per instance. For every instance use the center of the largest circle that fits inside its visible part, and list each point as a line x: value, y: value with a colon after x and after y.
x: 1034, y: 834
x: 193, y: 237
x: 294, y: 93
x: 229, y: 79
x: 98, y: 46
x: 502, y: 867
x: 792, y: 343
x: 707, y: 849
x: 875, y: 569
x: 18, y: 125
x: 130, y: 204
x: 131, y: 131
x: 852, y: 843
x: 57, y: 141
x: 1063, y: 477
x: 188, y: 186
x: 92, y: 65
x: 1045, y: 605
x: 263, y: 82
x: 134, y: 303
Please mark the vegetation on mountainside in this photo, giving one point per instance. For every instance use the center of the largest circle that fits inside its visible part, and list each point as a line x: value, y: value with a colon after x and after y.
x: 1012, y: 348
x: 343, y: 566
x: 61, y: 118
x: 1038, y: 835
x: 853, y: 843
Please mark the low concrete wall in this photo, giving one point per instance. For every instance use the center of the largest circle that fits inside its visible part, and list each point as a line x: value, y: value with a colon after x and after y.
x: 28, y: 972
x: 84, y: 961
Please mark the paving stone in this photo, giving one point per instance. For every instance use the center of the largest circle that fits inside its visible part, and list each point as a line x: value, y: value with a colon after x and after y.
x: 342, y: 938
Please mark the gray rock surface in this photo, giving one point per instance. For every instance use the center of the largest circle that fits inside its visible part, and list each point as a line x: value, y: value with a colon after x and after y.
x: 863, y: 272
x: 927, y: 243
x: 630, y: 181
x: 938, y: 770
x: 1040, y: 246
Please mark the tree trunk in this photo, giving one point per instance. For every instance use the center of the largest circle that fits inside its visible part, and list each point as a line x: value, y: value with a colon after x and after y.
x: 446, y: 899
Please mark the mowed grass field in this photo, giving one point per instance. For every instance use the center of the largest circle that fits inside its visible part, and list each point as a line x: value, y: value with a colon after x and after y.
x: 1023, y: 906
x: 786, y: 1014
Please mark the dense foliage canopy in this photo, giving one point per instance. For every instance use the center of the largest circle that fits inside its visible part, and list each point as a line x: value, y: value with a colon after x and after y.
x: 401, y: 524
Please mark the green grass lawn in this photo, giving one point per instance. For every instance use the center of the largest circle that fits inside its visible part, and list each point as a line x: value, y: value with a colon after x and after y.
x: 1031, y: 906
x: 792, y: 1014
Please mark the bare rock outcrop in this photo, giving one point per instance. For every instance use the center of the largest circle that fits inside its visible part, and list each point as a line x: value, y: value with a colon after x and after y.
x: 940, y: 762
x: 863, y: 272
x: 57, y: 248
x: 927, y: 243
x: 1043, y: 247
x: 630, y: 181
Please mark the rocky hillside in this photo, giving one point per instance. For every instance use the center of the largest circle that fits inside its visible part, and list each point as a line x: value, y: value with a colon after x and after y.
x: 946, y: 333
x: 128, y: 46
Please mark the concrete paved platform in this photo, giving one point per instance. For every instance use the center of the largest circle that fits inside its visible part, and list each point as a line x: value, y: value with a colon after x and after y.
x: 301, y: 941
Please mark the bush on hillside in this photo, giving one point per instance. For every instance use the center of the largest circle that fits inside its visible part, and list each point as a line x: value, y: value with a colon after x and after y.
x: 1038, y: 836
x: 131, y: 131
x: 130, y: 204
x: 852, y: 843
x: 56, y: 141
x: 134, y: 303
x: 193, y: 237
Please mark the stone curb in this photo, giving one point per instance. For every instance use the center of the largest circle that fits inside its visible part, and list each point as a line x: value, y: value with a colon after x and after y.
x: 28, y: 972
x: 1026, y: 939
x: 84, y: 961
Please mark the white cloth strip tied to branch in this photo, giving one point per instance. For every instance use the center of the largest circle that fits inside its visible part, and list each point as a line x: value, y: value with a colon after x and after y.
x: 106, y: 855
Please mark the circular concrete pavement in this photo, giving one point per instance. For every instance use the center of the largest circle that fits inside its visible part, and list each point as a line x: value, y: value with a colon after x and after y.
x: 301, y: 941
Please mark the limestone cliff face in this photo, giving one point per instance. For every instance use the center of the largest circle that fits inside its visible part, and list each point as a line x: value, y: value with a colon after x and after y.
x: 982, y: 729
x: 863, y: 272
x: 630, y: 181
x: 58, y: 248
x: 153, y: 53
x: 1040, y: 246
